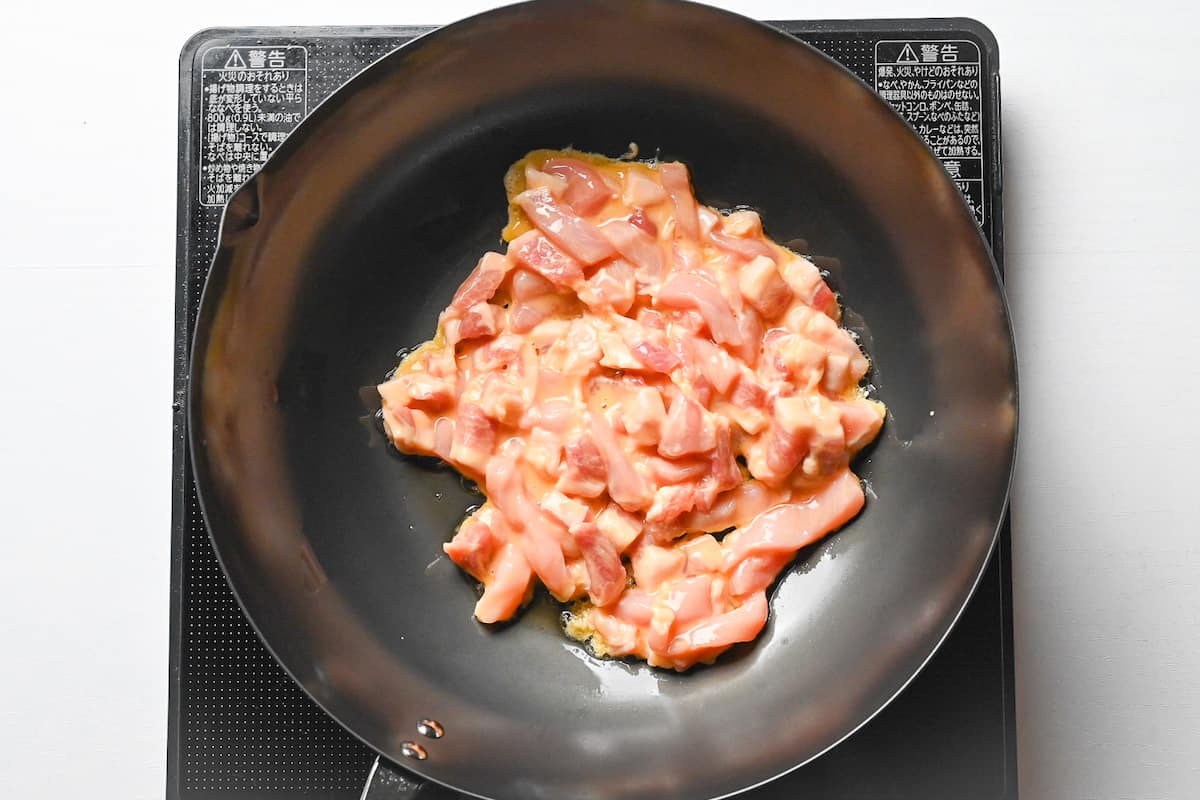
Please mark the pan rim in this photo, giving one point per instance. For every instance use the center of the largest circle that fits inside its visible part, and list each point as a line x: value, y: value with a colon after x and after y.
x: 217, y: 279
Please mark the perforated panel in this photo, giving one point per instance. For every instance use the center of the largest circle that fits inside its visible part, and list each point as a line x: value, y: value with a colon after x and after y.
x: 245, y: 729
x: 851, y: 52
x: 240, y: 728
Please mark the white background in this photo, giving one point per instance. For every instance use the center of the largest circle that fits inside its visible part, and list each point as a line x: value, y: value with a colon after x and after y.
x: 1101, y: 180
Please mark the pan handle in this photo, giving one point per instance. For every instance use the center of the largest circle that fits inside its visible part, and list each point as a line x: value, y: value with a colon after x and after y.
x: 386, y: 781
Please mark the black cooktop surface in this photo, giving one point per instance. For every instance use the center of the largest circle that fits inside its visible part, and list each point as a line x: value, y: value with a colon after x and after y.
x: 239, y: 728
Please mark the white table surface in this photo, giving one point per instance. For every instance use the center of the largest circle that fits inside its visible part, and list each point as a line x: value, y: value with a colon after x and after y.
x: 1101, y: 180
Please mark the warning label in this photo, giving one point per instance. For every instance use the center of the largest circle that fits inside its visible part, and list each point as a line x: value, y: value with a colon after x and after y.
x: 251, y: 99
x: 937, y: 86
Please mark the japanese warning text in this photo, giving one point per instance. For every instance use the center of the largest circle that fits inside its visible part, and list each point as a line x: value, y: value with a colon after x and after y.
x: 936, y: 86
x: 251, y: 99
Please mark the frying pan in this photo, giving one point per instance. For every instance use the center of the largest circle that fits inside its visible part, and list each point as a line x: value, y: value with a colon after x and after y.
x: 354, y: 236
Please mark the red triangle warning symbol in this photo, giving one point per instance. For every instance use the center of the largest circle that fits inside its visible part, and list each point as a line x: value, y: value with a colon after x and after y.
x: 907, y: 56
x: 235, y: 61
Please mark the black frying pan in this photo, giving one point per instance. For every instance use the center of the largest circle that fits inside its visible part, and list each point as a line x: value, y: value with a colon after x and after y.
x: 354, y: 236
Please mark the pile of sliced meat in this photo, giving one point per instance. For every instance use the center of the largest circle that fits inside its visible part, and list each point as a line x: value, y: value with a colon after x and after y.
x: 636, y: 374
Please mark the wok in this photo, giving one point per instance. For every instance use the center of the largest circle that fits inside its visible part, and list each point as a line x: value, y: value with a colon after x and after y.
x: 354, y: 236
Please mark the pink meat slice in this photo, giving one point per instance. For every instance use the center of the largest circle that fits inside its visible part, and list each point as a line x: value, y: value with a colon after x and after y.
x: 545, y: 556
x: 638, y: 246
x: 539, y: 254
x: 679, y: 188
x: 474, y: 438
x: 718, y: 632
x: 688, y: 429
x: 506, y: 587
x: 746, y: 248
x: 655, y: 357
x: 473, y: 547
x: 685, y: 290
x: 586, y: 474
x: 587, y: 191
x: 606, y: 573
x: 483, y: 281
x: 626, y: 487
x: 566, y: 229
x: 789, y: 527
